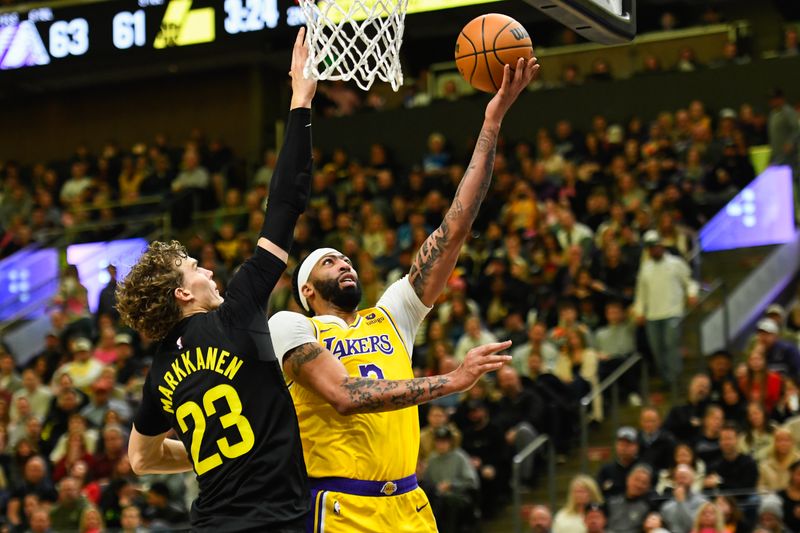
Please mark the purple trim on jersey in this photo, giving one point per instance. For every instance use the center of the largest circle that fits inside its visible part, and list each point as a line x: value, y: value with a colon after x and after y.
x: 358, y: 487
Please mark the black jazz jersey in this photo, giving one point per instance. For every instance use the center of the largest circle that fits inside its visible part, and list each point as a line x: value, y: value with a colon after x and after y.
x: 215, y: 381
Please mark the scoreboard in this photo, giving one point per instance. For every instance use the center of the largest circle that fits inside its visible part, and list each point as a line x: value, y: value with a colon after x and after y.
x: 110, y: 33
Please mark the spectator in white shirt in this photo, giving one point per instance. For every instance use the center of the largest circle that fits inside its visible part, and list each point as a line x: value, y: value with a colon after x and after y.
x: 193, y: 175
x: 663, y: 288
x: 571, y: 232
x: 537, y: 342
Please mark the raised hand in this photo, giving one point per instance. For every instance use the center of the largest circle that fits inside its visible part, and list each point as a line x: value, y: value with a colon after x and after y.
x: 303, y: 88
x: 513, y: 84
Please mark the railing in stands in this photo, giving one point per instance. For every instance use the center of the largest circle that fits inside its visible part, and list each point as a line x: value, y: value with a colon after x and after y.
x: 516, y: 482
x: 705, y: 304
x: 610, y: 382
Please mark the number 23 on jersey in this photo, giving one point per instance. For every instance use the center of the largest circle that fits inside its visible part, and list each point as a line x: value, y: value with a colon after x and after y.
x: 232, y: 418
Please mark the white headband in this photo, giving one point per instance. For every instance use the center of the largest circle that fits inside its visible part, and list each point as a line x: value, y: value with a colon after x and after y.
x: 305, y: 268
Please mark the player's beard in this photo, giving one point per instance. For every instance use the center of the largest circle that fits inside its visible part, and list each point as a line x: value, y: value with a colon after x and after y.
x: 346, y: 299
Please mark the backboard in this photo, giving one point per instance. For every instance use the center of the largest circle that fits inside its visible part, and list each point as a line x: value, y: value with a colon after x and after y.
x: 601, y: 21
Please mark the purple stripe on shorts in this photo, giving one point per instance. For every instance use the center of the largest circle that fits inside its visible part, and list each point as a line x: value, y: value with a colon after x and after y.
x: 360, y: 487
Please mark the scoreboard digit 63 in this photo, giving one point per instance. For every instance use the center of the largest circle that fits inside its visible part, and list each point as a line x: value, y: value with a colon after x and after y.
x: 96, y: 34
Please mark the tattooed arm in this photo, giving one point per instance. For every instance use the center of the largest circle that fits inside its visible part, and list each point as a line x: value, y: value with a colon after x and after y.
x: 438, y: 254
x: 315, y: 368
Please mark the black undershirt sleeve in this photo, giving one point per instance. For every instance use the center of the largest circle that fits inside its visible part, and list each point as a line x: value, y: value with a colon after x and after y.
x: 291, y: 181
x: 150, y: 419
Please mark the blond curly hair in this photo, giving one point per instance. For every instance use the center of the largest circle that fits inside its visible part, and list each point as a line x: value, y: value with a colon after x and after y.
x: 145, y: 299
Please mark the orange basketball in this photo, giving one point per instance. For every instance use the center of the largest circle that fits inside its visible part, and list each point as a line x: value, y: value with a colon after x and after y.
x: 488, y: 43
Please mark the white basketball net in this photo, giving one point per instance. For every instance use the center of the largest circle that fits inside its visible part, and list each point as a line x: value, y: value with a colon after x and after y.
x: 355, y: 40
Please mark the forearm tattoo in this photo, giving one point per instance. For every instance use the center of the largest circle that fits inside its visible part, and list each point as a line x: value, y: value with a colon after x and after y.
x: 367, y: 395
x: 462, y: 213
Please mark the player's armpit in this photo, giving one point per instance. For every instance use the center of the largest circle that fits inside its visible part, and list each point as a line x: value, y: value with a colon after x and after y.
x: 315, y: 368
x: 157, y: 454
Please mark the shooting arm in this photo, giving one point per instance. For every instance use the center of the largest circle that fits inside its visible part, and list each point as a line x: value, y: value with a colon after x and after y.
x: 291, y: 182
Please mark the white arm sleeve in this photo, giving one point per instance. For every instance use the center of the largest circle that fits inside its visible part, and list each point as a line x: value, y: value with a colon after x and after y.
x: 289, y: 330
x: 406, y: 308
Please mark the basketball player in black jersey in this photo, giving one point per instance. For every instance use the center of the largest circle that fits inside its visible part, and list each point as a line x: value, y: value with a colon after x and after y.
x: 215, y: 379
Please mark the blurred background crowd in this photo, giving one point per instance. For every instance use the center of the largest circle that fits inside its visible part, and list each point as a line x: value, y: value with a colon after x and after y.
x: 582, y: 254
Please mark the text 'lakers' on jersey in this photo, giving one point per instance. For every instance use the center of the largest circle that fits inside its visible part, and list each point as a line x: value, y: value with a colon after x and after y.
x: 372, y: 446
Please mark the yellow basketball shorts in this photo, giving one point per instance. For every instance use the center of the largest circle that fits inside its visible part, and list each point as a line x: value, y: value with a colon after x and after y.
x: 342, y: 505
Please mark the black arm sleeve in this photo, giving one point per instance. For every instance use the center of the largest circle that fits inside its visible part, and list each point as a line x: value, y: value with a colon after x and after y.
x: 291, y: 181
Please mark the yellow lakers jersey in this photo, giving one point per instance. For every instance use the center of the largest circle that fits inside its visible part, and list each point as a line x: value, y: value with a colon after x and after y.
x: 372, y: 446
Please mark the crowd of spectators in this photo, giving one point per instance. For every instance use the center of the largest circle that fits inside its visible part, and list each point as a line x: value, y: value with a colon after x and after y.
x: 570, y: 219
x: 340, y: 99
x: 552, y: 265
x: 726, y: 460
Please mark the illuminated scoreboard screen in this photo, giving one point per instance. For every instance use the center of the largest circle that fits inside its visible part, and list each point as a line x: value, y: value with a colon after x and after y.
x: 112, y: 32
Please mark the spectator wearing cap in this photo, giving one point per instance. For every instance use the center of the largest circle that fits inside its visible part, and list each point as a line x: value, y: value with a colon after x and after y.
x: 656, y: 445
x: 783, y: 129
x: 489, y: 454
x: 771, y: 515
x: 611, y: 477
x: 452, y: 484
x: 540, y: 519
x: 126, y: 364
x: 663, y: 288
x: 83, y: 369
x: 720, y: 370
x: 680, y: 510
x: 627, y: 511
x: 37, y: 395
x: 437, y: 417
x: 782, y: 356
x: 595, y: 518
x: 734, y: 471
x: 790, y: 498
x: 101, y: 402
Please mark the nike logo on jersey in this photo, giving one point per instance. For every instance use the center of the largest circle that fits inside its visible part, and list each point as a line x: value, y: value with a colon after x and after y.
x: 423, y: 507
x: 325, y: 330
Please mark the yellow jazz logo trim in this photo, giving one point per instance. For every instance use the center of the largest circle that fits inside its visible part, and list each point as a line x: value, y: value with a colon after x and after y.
x: 183, y: 25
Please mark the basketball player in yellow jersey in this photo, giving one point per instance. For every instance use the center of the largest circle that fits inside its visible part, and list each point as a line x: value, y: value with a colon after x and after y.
x: 349, y: 371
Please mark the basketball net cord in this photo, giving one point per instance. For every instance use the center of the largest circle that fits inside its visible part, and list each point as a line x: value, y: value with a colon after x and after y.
x: 356, y: 40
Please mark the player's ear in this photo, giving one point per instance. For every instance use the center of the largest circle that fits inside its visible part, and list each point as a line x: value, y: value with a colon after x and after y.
x: 307, y: 290
x: 183, y: 295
